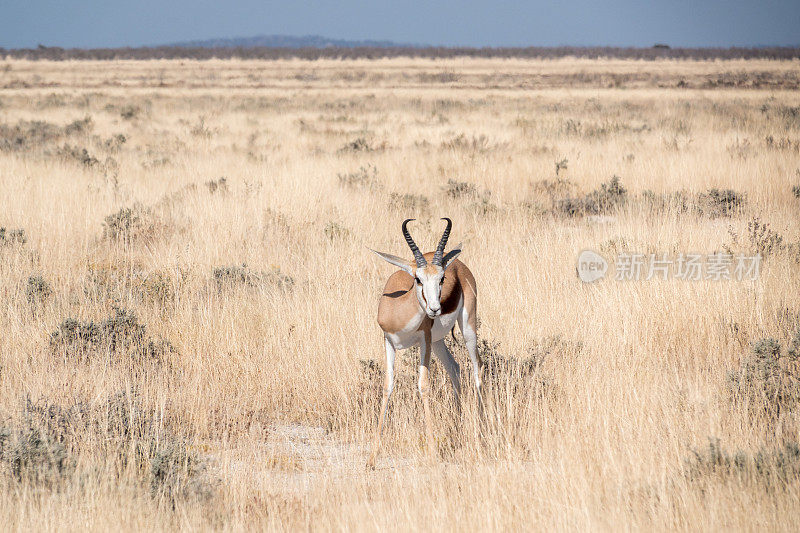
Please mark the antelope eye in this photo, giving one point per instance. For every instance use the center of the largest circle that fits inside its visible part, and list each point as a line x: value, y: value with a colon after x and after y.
x: 441, y: 281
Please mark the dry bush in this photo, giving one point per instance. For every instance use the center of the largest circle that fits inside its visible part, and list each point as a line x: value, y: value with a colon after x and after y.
x: 81, y: 155
x: 364, y: 178
x: 25, y: 135
x: 460, y: 189
x: 358, y: 145
x: 37, y: 291
x: 229, y: 277
x: 555, y: 189
x: 477, y: 201
x: 334, y: 231
x: 607, y: 198
x: 774, y: 468
x: 119, y: 338
x: 714, y: 203
x: 721, y: 202
x: 43, y: 446
x: 768, y: 380
x: 161, y: 288
x: 479, y: 144
x: 141, y: 224
x: 409, y: 202
x: 218, y: 185
x: 129, y: 112
x: 113, y: 143
x: 127, y: 224
x: 761, y: 239
x: 11, y: 237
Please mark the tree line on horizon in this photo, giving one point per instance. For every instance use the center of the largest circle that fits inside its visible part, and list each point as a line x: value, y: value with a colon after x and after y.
x: 659, y: 51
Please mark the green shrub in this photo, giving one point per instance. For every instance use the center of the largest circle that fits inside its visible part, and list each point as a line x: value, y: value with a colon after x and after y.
x: 479, y: 200
x: 762, y: 240
x: 526, y: 371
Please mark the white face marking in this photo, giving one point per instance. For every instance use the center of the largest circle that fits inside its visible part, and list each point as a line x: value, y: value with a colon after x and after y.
x: 429, y: 289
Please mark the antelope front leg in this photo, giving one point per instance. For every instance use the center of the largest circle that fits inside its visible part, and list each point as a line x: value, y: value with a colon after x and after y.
x: 388, y: 385
x: 468, y: 324
x: 425, y: 389
x: 451, y: 366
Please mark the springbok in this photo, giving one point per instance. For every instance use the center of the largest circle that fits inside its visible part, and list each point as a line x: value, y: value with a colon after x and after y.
x: 420, y: 304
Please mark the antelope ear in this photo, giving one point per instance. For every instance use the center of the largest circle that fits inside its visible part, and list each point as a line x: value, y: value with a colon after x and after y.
x: 452, y: 254
x: 393, y: 259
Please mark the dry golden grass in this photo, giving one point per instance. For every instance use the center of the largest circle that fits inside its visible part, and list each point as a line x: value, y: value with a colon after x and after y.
x: 223, y: 366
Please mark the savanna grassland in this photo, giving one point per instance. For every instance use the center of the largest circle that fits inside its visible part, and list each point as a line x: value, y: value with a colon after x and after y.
x: 187, y: 329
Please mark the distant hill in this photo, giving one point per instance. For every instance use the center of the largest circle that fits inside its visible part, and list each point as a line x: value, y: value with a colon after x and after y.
x: 289, y: 41
x: 314, y: 47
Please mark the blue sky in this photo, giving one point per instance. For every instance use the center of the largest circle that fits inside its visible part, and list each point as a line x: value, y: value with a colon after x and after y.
x: 110, y: 23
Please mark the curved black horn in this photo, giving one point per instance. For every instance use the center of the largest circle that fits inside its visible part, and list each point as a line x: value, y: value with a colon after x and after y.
x: 417, y: 254
x: 437, y: 255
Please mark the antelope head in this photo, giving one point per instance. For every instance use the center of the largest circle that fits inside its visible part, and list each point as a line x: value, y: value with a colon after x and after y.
x: 428, y: 277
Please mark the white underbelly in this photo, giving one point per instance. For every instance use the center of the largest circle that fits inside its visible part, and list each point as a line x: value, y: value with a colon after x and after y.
x: 411, y: 336
x: 401, y: 341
